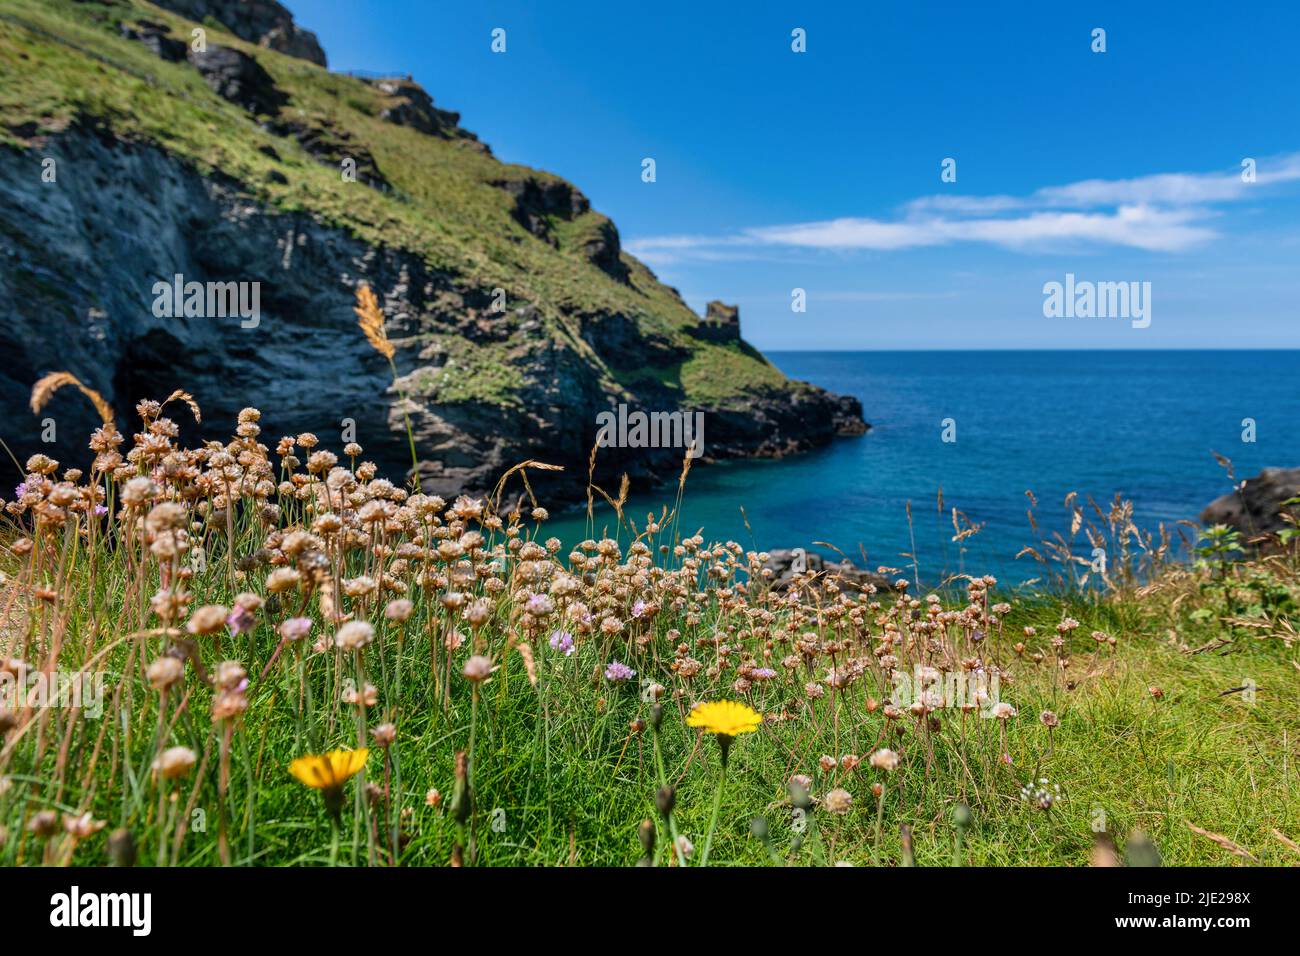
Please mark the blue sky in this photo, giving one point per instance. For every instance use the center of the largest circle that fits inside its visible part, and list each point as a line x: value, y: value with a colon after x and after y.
x: 778, y: 170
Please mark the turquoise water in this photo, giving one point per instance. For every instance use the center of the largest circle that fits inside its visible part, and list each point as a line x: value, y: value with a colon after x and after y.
x: 1140, y: 423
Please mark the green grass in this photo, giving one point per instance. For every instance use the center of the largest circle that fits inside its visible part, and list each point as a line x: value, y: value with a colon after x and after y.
x: 560, y: 775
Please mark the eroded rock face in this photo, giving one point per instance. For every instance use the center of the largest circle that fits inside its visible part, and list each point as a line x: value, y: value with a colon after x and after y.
x: 235, y: 76
x: 1256, y: 510
x: 537, y: 199
x: 155, y: 38
x: 263, y: 22
x: 126, y: 216
x: 412, y: 106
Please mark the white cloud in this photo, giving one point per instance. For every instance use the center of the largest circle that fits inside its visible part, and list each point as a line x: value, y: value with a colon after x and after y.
x: 1168, y: 212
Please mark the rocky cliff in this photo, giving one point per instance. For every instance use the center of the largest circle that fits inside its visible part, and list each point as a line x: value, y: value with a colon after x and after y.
x: 263, y: 22
x: 128, y: 158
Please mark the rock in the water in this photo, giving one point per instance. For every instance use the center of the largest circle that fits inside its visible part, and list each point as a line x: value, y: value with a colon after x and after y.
x: 263, y: 22
x: 1256, y: 510
x: 849, y: 577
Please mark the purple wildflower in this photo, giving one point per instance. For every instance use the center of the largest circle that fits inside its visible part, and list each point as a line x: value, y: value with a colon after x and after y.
x: 240, y: 620
x: 562, y: 641
x: 618, y: 672
x: 638, y: 608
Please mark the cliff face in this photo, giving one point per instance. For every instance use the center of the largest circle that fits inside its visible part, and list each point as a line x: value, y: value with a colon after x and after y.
x: 263, y: 22
x: 127, y: 159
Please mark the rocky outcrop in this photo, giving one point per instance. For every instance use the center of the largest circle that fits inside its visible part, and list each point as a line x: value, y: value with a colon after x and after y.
x: 235, y: 76
x: 263, y: 22
x: 411, y: 106
x: 539, y: 201
x: 333, y: 147
x: 780, y: 422
x: 536, y: 200
x: 786, y: 563
x: 155, y: 37
x: 1256, y: 510
x: 605, y: 251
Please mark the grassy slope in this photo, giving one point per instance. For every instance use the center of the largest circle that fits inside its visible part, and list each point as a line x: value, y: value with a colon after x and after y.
x: 573, y: 783
x: 442, y: 208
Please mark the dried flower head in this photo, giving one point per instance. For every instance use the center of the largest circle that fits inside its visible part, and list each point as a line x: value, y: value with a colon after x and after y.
x: 477, y: 669
x: 174, y: 762
x: 837, y: 801
x: 885, y: 759
x: 354, y: 635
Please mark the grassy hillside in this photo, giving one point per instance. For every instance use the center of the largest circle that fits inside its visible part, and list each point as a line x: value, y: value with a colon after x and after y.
x: 64, y: 63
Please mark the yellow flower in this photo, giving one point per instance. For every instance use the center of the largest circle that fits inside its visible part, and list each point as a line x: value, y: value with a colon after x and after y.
x: 329, y: 771
x: 727, y: 718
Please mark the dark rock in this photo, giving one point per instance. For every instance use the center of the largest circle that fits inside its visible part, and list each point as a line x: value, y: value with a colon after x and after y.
x: 412, y: 107
x: 623, y: 344
x: 155, y: 37
x: 263, y: 22
x: 605, y: 252
x: 780, y: 422
x: 1256, y: 510
x: 235, y: 76
x: 538, y: 200
x: 845, y: 573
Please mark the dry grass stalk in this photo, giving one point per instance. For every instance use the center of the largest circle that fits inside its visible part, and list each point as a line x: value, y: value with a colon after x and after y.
x: 371, y: 319
x: 47, y: 385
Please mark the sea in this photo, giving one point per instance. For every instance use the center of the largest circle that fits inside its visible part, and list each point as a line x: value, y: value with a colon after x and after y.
x: 979, y: 431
